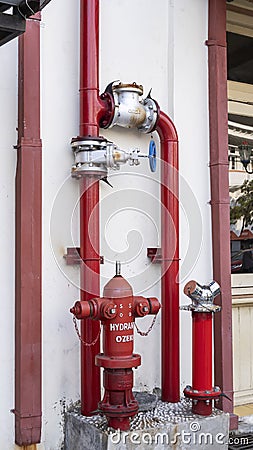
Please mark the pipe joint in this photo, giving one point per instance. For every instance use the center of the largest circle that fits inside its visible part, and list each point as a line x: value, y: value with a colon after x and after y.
x: 202, y: 297
x: 130, y: 111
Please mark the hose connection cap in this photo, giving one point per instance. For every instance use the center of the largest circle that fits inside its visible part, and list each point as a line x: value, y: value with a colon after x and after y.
x: 81, y: 309
x: 202, y: 296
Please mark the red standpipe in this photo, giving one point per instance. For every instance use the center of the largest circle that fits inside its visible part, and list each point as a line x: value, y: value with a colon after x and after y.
x: 202, y: 391
x: 202, y: 349
x: 92, y: 110
x: 202, y: 346
x: 28, y: 241
x: 170, y: 259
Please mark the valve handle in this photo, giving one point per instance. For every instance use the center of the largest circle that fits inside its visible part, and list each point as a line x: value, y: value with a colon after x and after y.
x: 152, y: 155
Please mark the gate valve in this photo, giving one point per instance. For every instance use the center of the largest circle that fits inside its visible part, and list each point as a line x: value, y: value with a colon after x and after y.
x: 117, y: 310
x: 94, y: 156
x: 202, y: 307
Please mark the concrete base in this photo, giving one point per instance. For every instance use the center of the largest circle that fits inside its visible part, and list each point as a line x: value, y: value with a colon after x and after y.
x: 182, y: 432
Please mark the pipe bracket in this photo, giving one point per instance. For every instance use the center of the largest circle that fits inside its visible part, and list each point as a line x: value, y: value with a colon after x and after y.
x: 73, y: 257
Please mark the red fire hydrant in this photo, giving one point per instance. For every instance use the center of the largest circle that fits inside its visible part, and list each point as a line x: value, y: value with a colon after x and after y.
x: 202, y: 391
x: 117, y: 310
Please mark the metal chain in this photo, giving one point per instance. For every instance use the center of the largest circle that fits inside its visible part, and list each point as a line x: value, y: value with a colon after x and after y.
x: 87, y: 344
x: 145, y: 333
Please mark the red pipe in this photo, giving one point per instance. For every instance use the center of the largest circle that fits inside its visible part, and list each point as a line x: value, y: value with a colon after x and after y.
x: 90, y: 288
x: 89, y: 198
x: 28, y: 242
x: 217, y: 62
x: 170, y: 253
x: 202, y: 346
x: 92, y: 110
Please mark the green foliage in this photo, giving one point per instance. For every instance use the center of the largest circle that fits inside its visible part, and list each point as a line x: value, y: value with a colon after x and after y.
x: 243, y: 206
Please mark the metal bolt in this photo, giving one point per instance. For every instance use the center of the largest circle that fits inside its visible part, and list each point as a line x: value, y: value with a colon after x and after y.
x: 118, y: 268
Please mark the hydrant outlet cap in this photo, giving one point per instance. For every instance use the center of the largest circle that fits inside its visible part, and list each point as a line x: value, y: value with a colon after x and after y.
x: 190, y: 287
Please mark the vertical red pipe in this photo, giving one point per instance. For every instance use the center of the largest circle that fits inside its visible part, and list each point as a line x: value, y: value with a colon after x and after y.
x: 90, y: 288
x: 170, y: 253
x: 217, y: 62
x: 90, y: 110
x: 91, y: 107
x: 28, y: 242
x: 202, y: 360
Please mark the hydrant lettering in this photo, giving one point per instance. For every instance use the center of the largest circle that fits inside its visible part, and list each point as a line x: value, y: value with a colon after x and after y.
x: 126, y: 338
x: 121, y: 326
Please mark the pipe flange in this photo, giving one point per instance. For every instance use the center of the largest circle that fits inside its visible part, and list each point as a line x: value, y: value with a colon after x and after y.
x: 89, y: 157
x: 152, y: 110
x: 128, y: 87
x: 109, y: 362
x: 195, y: 394
x: 119, y: 411
x: 204, y: 307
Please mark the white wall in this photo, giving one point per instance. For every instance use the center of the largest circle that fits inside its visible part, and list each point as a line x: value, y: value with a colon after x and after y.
x: 160, y: 45
x: 191, y: 120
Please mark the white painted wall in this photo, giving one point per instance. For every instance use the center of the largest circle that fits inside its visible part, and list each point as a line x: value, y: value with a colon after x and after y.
x: 160, y: 45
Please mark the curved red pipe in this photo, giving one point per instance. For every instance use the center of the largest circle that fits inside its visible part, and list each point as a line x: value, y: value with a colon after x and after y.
x: 170, y: 253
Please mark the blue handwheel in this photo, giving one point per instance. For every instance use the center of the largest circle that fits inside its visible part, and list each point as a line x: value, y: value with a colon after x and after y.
x: 152, y: 156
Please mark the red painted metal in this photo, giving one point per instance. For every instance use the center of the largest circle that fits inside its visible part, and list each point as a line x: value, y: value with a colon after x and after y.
x: 117, y: 311
x: 92, y: 110
x: 170, y: 259
x: 90, y: 287
x: 202, y: 349
x: 202, y: 361
x: 28, y: 242
x: 202, y: 392
x: 217, y: 61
